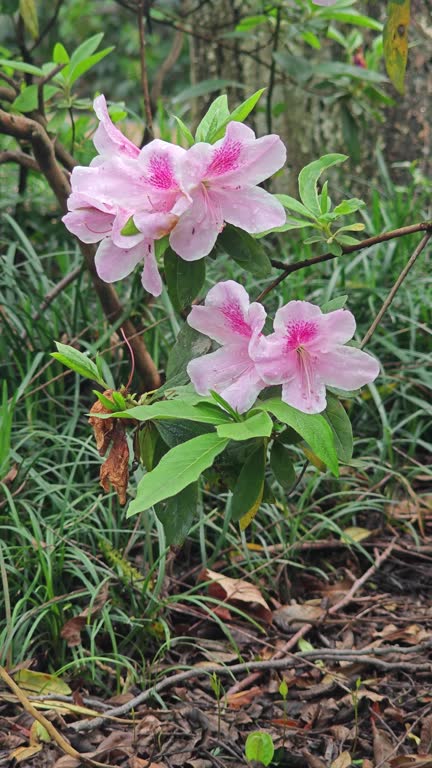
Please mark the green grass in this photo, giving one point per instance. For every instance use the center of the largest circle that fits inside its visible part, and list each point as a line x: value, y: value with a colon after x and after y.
x: 62, y: 539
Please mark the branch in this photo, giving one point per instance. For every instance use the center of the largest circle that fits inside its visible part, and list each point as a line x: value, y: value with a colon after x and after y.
x: 9, y: 156
x: 25, y: 128
x: 421, y: 246
x: 423, y: 226
x: 42, y: 82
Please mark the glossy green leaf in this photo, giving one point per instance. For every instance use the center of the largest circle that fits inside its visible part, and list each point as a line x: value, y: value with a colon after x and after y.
x: 239, y: 114
x: 184, y: 279
x: 216, y: 116
x: 249, y: 488
x: 295, y: 205
x: 27, y: 100
x: 259, y: 747
x: 173, y: 409
x: 258, y: 425
x: 83, y: 66
x: 245, y: 250
x: 177, y: 515
x: 189, y: 344
x: 180, y: 467
x: 313, y: 428
x: 348, y: 206
x: 338, y: 419
x: 22, y: 66
x: 184, y: 131
x: 130, y: 228
x: 60, y: 54
x: 281, y: 465
x: 308, y: 180
x: 77, y: 361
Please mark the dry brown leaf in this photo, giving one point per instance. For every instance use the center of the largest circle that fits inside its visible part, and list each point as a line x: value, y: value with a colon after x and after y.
x: 10, y: 476
x: 383, y: 748
x: 115, y: 469
x: 411, y: 761
x: 243, y: 698
x: 342, y: 761
x: 102, y: 428
x: 65, y: 761
x: 237, y: 591
x: 294, y: 616
x: 425, y: 746
x: 71, y: 630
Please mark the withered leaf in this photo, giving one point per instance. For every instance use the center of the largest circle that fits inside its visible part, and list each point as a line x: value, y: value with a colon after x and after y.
x: 115, y: 469
x: 102, y: 428
x: 71, y: 630
x: 237, y: 590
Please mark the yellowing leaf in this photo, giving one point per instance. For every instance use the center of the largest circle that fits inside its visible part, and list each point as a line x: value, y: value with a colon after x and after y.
x: 40, y: 683
x: 38, y: 733
x: 355, y: 534
x: 28, y: 13
x: 24, y: 753
x: 395, y: 38
x: 342, y: 761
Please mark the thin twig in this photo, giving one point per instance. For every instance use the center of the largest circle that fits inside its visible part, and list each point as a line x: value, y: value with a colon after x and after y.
x: 51, y: 295
x: 288, y: 269
x: 11, y: 156
x: 144, y: 75
x: 410, y: 263
x: 44, y: 81
x: 273, y: 71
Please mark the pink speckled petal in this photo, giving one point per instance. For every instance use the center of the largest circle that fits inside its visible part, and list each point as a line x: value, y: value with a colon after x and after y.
x: 227, y: 315
x: 150, y: 278
x: 196, y: 232
x: 347, y: 368
x: 89, y: 224
x: 229, y: 372
x: 241, y: 159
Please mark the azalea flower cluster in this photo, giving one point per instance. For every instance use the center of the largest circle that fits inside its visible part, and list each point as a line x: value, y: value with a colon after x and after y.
x: 306, y: 352
x: 129, y: 197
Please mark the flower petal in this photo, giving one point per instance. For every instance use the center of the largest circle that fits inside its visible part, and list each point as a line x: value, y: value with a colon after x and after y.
x: 155, y: 225
x: 159, y: 163
x: 108, y: 138
x: 227, y: 316
x: 196, y: 232
x: 250, y: 208
x: 296, y: 312
x: 124, y: 241
x: 335, y: 328
x: 273, y: 361
x: 150, y: 278
x: 229, y: 372
x: 308, y: 399
x: 113, y: 263
x: 89, y: 224
x: 347, y: 368
x: 241, y: 158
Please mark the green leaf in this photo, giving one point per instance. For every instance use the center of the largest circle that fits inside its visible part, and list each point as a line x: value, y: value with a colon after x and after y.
x: 216, y: 115
x: 28, y: 13
x: 106, y: 402
x: 245, y: 250
x: 311, y: 426
x: 259, y: 747
x: 83, y: 66
x: 147, y: 438
x: 294, y: 205
x: 258, y: 425
x: 27, y: 100
x: 351, y: 17
x: 60, y: 54
x: 249, y: 488
x: 189, y: 344
x: 184, y: 279
x: 9, y: 6
x: 177, y: 431
x: 78, y: 362
x: 348, y: 206
x: 281, y: 465
x: 239, y: 114
x: 330, y: 69
x: 172, y: 409
x: 129, y: 228
x: 308, y: 180
x: 180, y: 467
x: 184, y: 131
x: 22, y: 66
x: 338, y: 419
x: 337, y: 303
x: 178, y: 513
x: 395, y: 39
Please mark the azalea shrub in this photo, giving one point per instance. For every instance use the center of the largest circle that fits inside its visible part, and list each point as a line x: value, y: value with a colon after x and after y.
x: 243, y: 392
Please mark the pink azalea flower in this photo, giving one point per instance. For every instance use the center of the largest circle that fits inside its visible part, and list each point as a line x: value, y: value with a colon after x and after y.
x: 220, y: 181
x: 120, y: 182
x: 306, y: 353
x: 235, y: 324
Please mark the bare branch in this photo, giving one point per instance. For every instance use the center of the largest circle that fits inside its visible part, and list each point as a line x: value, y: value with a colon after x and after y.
x: 11, y: 156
